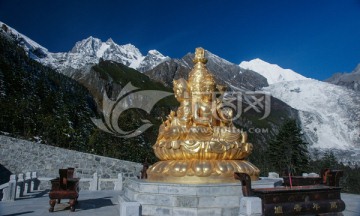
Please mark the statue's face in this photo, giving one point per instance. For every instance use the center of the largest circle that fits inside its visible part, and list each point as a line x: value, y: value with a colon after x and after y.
x: 207, y: 89
x: 207, y: 97
x: 179, y: 92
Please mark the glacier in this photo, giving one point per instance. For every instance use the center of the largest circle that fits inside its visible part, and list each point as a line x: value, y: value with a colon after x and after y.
x: 329, y: 114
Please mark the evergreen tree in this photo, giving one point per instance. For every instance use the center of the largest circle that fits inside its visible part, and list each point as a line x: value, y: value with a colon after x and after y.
x: 329, y: 160
x: 287, y: 151
x: 5, y: 28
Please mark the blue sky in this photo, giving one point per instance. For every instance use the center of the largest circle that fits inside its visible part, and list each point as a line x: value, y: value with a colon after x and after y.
x: 314, y: 38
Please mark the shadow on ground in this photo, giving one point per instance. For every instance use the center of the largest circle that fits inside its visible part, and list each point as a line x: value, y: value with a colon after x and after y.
x: 94, y: 203
x: 34, y: 194
x: 85, y: 204
x: 20, y: 213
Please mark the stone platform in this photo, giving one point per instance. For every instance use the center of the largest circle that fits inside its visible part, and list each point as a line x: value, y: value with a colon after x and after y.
x: 160, y: 199
x: 103, y: 203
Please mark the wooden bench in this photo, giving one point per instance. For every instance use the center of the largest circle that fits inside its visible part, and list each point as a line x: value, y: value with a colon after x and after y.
x: 64, y: 187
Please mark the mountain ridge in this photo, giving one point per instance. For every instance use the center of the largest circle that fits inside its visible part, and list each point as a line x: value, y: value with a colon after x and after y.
x: 88, y: 51
x: 237, y: 77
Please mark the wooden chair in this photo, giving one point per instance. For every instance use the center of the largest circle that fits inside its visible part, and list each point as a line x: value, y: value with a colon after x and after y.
x: 64, y: 187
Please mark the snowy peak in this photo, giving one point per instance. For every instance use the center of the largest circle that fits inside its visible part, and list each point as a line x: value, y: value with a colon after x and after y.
x: 33, y: 49
x: 217, y: 59
x: 154, y: 52
x: 109, y: 50
x: 86, y: 52
x: 110, y: 40
x: 272, y: 72
x: 153, y: 57
x: 88, y: 46
x: 91, y: 50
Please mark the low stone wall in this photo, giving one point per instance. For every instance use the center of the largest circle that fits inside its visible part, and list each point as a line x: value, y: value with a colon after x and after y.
x: 21, y: 156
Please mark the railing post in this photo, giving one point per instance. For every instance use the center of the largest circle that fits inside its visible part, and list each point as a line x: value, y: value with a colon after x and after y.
x: 27, y: 183
x: 94, y: 184
x: 9, y: 193
x: 32, y: 183
x: 118, y: 184
x: 20, y: 186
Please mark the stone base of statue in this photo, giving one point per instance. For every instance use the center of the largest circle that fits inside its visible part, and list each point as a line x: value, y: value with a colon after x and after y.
x: 158, y: 198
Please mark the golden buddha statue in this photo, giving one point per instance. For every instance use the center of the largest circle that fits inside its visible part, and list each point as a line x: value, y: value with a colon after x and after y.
x: 198, y: 143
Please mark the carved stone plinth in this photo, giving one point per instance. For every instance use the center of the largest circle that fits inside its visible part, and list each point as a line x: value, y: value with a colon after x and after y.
x: 160, y: 199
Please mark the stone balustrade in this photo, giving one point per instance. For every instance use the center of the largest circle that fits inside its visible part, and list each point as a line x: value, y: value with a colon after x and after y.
x: 21, y: 185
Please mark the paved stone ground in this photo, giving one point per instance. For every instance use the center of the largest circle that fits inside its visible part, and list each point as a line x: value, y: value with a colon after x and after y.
x: 352, y: 202
x: 104, y: 203
x: 99, y: 203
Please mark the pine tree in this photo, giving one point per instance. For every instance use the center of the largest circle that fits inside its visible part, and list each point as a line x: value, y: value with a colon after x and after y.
x: 5, y: 28
x: 287, y: 151
x: 329, y: 160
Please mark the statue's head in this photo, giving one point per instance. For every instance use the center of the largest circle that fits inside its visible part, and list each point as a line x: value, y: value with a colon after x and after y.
x: 199, y: 56
x: 221, y: 88
x: 180, y: 89
x: 208, y: 84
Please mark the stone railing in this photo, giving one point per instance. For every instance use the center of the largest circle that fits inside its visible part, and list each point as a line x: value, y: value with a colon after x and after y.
x: 93, y: 184
x: 20, y: 185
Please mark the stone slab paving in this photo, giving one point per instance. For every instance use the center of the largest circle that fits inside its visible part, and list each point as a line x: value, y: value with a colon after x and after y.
x: 104, y: 203
x: 352, y: 202
x: 99, y: 203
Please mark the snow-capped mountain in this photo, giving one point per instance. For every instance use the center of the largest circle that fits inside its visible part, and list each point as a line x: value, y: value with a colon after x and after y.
x: 91, y: 50
x: 152, y: 59
x: 329, y: 114
x: 272, y: 72
x: 225, y: 72
x: 88, y: 52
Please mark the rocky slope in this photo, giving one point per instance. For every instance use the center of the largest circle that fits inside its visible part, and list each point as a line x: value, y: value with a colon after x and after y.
x: 349, y: 80
x: 224, y: 71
